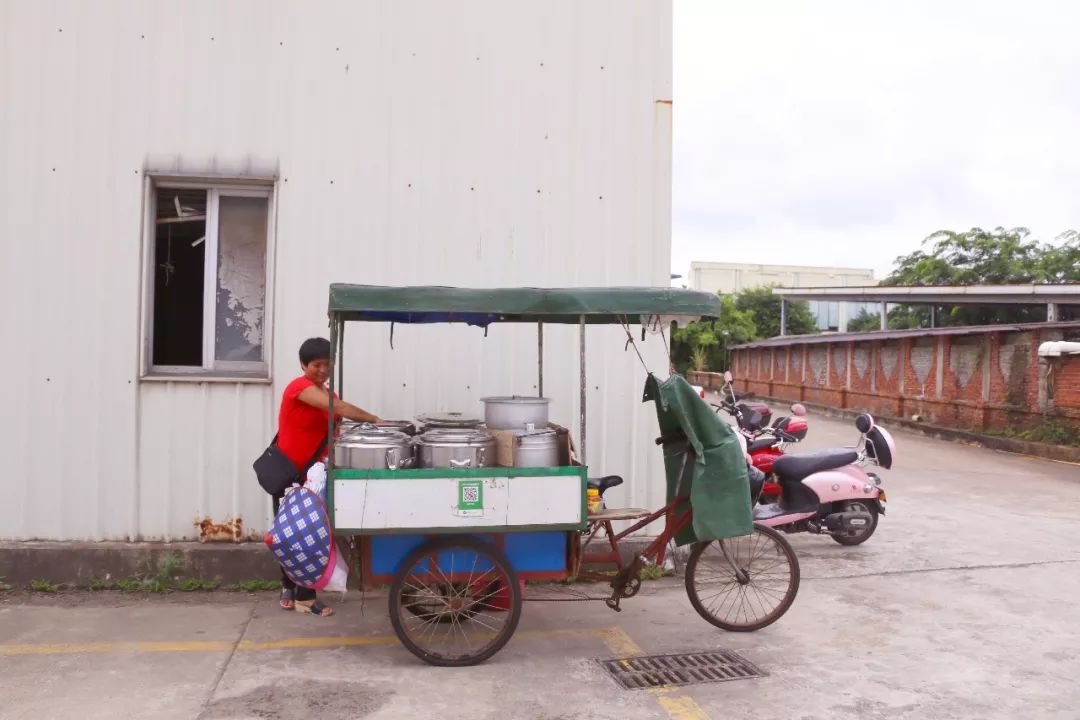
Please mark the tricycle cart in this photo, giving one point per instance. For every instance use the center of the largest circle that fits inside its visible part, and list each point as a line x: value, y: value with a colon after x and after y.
x: 456, y: 545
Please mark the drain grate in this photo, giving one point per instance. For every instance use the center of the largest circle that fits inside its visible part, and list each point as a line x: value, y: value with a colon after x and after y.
x: 653, y: 671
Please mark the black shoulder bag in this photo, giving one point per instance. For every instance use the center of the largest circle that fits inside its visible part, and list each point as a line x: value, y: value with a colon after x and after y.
x: 277, y: 472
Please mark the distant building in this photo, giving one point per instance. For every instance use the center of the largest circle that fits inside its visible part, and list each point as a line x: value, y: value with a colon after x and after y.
x: 733, y: 277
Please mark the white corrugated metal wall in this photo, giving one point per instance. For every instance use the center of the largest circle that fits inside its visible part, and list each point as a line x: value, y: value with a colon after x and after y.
x: 471, y: 143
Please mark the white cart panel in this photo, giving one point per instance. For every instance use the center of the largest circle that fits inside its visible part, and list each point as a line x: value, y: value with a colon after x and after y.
x: 454, y: 502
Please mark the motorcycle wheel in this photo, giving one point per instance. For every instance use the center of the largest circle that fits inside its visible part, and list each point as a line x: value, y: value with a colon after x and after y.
x: 858, y: 537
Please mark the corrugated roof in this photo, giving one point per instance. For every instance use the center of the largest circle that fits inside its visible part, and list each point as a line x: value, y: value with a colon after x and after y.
x: 1030, y: 294
x: 897, y: 334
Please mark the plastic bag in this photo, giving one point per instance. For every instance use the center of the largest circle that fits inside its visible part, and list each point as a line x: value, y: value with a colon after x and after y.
x: 316, y: 480
x: 303, y: 543
x: 339, y: 576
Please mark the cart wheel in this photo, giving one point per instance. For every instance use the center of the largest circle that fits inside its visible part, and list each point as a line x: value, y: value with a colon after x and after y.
x: 445, y: 605
x: 743, y: 583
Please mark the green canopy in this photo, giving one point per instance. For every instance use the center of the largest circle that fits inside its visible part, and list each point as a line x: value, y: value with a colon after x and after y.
x: 709, y: 465
x: 476, y: 306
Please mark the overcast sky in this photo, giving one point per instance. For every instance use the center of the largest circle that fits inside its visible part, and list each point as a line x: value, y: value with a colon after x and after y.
x: 842, y: 133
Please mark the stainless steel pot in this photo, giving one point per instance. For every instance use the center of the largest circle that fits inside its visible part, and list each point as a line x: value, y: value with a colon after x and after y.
x: 515, y: 412
x: 537, y: 448
x: 447, y: 448
x: 366, y: 447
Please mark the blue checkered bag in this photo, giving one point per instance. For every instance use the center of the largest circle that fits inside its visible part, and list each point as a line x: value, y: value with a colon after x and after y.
x: 301, y: 539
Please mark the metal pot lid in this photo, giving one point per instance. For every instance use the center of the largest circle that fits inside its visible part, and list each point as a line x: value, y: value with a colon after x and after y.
x: 371, y: 435
x: 456, y: 437
x: 518, y: 400
x: 449, y: 419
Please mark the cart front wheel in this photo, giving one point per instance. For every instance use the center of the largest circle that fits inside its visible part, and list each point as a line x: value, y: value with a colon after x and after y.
x: 455, y: 601
x: 743, y: 583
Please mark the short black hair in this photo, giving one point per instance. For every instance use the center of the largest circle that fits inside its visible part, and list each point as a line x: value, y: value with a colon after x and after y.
x: 314, y: 349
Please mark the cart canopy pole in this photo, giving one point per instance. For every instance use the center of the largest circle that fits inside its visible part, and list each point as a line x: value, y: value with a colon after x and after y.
x: 581, y: 344
x: 540, y: 362
x: 339, y: 358
x: 334, y: 347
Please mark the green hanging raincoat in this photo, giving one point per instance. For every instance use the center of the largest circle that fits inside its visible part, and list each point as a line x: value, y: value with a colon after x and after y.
x: 709, y: 461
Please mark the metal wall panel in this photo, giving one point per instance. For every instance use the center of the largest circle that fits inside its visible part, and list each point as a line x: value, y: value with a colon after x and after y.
x: 469, y: 143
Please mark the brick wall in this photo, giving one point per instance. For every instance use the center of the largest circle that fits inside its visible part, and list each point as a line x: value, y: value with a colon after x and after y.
x: 986, y: 379
x: 1067, y: 384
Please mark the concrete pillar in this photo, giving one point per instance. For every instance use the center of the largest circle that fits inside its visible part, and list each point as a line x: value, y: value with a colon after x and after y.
x: 783, y: 317
x: 941, y: 345
x: 884, y: 316
x: 1052, y: 313
x: 933, y: 316
x: 850, y: 360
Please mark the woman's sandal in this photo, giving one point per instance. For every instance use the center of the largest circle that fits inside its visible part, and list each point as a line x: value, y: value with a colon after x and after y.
x: 285, y: 600
x: 313, y: 607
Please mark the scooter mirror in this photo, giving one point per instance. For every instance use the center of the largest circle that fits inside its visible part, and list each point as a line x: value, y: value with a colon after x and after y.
x: 864, y: 422
x: 798, y: 409
x: 728, y: 377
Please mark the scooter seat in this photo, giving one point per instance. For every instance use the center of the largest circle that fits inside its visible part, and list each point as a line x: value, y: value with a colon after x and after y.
x: 603, y: 483
x: 761, y: 443
x: 793, y: 468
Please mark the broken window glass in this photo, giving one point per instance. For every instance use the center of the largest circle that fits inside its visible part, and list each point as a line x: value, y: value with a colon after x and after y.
x: 241, y: 278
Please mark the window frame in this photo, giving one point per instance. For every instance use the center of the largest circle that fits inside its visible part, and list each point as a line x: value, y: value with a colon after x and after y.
x: 211, y: 370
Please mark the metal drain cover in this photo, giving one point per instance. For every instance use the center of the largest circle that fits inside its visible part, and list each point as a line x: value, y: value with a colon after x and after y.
x: 653, y: 671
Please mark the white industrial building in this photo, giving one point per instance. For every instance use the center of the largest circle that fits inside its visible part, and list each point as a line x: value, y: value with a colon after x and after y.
x: 181, y: 182
x: 725, y: 278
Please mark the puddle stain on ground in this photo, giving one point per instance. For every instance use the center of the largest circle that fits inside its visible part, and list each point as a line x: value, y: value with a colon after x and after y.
x: 299, y: 697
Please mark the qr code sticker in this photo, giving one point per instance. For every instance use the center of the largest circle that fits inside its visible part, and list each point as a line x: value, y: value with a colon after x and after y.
x: 470, y: 494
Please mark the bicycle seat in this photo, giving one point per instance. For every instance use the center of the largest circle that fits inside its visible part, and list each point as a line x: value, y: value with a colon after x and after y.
x: 793, y: 468
x: 603, y: 483
x: 761, y: 443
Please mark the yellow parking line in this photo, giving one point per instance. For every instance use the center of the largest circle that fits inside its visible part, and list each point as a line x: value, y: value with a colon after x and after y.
x: 679, y: 707
x: 289, y: 643
x: 318, y: 642
x: 105, y: 647
x: 671, y: 700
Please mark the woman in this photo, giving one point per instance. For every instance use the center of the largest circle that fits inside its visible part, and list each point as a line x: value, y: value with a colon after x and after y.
x: 302, y: 426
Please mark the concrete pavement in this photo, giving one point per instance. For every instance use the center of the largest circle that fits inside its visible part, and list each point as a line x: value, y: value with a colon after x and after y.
x: 963, y: 605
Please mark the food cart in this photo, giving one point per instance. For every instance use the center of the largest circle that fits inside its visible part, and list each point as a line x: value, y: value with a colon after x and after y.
x: 456, y: 544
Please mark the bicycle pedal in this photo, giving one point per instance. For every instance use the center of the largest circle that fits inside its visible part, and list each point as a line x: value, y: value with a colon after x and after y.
x: 613, y: 603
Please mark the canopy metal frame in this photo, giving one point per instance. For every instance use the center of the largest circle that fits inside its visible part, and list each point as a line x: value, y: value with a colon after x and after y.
x: 581, y: 306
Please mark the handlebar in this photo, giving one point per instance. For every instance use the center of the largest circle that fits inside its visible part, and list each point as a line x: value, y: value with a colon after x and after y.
x: 671, y: 437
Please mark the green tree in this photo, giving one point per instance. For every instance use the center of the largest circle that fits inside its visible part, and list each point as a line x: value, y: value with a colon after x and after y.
x: 704, y: 345
x: 764, y: 309
x: 864, y: 322
x: 982, y: 257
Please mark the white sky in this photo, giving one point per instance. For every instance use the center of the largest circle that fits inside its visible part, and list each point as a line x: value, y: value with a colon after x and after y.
x: 842, y: 133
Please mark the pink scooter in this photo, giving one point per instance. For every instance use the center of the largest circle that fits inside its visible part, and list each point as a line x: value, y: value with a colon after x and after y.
x: 828, y: 492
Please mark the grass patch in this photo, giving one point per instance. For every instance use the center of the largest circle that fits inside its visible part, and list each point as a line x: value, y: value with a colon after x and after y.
x: 4, y: 587
x: 1053, y: 433
x: 652, y: 572
x: 140, y: 583
x: 44, y: 586
x: 197, y: 585
x: 251, y: 586
x: 1050, y: 432
x: 99, y: 584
